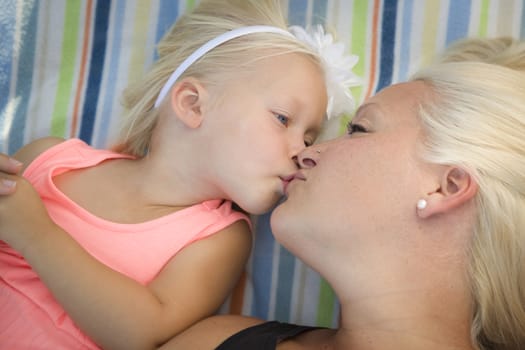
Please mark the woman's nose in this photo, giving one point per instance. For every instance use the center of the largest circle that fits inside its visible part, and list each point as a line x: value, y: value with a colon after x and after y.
x: 308, y: 157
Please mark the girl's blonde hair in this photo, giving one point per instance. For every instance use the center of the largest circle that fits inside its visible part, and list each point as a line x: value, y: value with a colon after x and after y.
x: 222, y: 64
x: 477, y: 121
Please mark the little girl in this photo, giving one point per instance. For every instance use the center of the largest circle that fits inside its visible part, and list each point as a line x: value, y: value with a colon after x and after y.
x: 142, y: 241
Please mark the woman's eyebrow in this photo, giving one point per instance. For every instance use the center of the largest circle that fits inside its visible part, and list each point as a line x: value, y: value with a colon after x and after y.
x: 362, y: 110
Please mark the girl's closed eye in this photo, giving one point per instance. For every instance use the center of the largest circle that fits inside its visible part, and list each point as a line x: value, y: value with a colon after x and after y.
x: 355, y: 128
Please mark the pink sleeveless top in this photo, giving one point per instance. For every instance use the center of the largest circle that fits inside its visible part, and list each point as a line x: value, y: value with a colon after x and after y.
x: 30, y: 318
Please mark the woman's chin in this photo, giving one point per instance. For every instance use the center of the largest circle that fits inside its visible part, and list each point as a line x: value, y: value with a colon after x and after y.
x: 279, y: 219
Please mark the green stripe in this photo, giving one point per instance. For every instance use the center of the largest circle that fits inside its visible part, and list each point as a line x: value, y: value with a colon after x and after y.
x: 190, y: 4
x: 484, y: 18
x: 325, y: 307
x: 360, y: 18
x: 358, y: 47
x: 343, y: 124
x: 67, y: 68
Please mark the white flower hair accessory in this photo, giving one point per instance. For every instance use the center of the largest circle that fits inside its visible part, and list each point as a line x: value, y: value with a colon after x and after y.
x: 338, y: 68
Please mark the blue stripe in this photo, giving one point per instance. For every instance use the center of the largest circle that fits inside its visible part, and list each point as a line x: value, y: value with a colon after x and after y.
x: 168, y: 14
x: 262, y: 264
x: 96, y: 67
x: 319, y: 12
x: 7, y: 28
x: 25, y: 74
x: 284, y: 286
x: 406, y: 29
x: 458, y: 19
x: 388, y: 37
x: 110, y: 92
x: 297, y: 12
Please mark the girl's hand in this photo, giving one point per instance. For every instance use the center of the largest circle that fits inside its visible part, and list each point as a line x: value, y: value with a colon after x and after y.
x: 8, y: 166
x: 22, y: 213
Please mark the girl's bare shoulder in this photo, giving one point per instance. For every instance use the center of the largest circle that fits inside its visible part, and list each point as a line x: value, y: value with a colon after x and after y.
x: 30, y: 151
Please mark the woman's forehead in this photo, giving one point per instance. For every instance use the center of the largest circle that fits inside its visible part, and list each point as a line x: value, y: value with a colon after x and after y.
x: 402, y: 93
x: 395, y: 102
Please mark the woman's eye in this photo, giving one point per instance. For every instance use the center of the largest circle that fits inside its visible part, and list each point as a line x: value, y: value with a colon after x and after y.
x: 353, y: 128
x: 282, y: 119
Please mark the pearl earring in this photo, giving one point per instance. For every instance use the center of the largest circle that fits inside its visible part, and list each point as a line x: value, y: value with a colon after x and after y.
x: 421, y: 204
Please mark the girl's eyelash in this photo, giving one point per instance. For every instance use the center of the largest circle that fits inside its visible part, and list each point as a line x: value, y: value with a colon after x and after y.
x: 282, y: 119
x: 352, y: 128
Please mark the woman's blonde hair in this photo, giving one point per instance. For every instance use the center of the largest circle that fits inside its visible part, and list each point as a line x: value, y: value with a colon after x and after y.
x: 208, y: 20
x: 477, y: 121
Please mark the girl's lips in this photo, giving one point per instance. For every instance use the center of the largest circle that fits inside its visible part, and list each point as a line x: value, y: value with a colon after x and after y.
x: 288, y: 179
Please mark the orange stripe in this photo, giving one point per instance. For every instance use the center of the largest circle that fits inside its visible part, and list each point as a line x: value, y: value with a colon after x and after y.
x: 373, y: 55
x: 82, y: 73
x: 237, y: 297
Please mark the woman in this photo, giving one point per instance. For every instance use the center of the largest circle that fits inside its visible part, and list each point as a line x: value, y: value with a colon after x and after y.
x: 415, y: 217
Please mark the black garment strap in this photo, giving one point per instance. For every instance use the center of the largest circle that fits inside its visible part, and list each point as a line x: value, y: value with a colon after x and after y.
x: 263, y: 336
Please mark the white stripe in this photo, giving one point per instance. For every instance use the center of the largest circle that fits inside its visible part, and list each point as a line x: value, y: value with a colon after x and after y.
x: 441, y: 35
x: 416, y: 36
x: 297, y: 297
x: 46, y: 73
x: 397, y: 42
x: 13, y: 100
x: 516, y: 19
x: 340, y: 16
x: 492, y: 25
x: 309, y: 14
x: 475, y: 15
x: 312, y: 287
x: 8, y: 115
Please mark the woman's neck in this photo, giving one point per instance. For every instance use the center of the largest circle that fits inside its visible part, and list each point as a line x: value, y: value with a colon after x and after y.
x: 408, y: 318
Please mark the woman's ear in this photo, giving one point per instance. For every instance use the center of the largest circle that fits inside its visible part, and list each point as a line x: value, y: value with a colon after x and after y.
x: 187, y: 99
x: 457, y: 187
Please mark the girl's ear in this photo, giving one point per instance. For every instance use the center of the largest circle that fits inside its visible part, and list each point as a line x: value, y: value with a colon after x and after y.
x: 187, y: 99
x: 457, y: 187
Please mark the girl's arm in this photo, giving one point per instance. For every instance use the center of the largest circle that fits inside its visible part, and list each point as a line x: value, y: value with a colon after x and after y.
x: 114, y: 310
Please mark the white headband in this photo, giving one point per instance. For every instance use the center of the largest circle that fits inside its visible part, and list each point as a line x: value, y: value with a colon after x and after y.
x: 337, y: 64
x: 213, y: 43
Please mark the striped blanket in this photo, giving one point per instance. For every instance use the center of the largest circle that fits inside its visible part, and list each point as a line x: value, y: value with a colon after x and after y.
x: 64, y: 64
